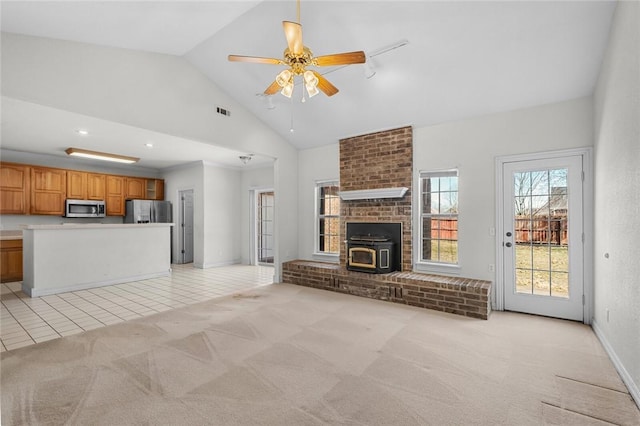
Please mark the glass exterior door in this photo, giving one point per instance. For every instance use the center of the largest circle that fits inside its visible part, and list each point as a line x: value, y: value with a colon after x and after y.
x: 542, y: 245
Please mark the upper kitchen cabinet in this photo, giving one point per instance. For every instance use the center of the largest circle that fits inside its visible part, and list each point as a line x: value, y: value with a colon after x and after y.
x: 155, y: 189
x: 48, y: 190
x: 134, y: 188
x: 14, y: 188
x: 115, y: 195
x: 76, y: 185
x: 85, y: 185
x: 96, y: 186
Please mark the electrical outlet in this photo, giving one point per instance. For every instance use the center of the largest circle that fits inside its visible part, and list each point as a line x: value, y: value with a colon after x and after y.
x: 492, y: 267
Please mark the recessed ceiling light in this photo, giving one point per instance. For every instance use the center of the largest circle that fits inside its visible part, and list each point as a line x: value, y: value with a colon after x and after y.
x: 82, y: 132
x: 148, y: 145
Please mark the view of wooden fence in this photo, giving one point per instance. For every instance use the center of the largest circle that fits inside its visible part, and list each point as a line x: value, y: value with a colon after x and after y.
x: 539, y: 230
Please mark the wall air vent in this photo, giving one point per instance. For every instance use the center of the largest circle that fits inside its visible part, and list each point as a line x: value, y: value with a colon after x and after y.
x: 223, y: 111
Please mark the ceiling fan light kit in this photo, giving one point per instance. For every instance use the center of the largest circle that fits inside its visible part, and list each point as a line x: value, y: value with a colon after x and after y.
x: 298, y: 57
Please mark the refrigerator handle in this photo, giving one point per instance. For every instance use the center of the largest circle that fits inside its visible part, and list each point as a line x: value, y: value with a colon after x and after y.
x: 152, y: 219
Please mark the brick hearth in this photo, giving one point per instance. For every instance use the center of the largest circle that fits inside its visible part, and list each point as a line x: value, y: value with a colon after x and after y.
x: 460, y: 296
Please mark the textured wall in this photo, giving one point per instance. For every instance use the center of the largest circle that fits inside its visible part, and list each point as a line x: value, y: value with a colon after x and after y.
x: 617, y: 196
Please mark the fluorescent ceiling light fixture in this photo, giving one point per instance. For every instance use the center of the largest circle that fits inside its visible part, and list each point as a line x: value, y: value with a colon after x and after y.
x: 95, y: 155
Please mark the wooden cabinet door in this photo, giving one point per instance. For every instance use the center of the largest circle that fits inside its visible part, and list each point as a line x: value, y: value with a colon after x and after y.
x: 96, y: 186
x: 115, y: 195
x: 14, y: 188
x: 155, y: 189
x: 10, y: 260
x: 76, y: 185
x: 134, y: 188
x: 48, y: 190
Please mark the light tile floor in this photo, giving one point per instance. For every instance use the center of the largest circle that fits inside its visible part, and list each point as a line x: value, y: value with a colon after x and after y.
x: 26, y: 321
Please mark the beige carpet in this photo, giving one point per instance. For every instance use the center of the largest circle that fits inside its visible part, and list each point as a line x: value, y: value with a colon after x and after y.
x: 289, y: 355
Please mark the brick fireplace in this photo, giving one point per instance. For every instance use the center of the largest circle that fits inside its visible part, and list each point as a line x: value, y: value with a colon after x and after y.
x: 375, y: 161
x: 379, y: 161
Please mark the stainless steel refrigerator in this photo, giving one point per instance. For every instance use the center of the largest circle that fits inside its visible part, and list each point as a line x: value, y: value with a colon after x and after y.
x: 147, y: 211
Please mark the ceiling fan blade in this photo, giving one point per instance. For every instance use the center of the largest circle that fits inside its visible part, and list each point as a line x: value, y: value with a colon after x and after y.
x: 293, y: 34
x: 324, y: 85
x: 254, y: 59
x: 341, y: 59
x: 273, y: 89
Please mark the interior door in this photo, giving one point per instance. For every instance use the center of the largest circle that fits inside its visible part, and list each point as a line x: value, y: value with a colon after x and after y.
x: 543, y: 237
x: 186, y: 226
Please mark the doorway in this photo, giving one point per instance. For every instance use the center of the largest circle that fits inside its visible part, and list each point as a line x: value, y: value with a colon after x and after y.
x: 541, y: 236
x: 185, y: 237
x: 265, y: 202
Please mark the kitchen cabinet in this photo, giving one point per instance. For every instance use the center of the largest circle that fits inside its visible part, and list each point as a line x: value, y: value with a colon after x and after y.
x: 115, y: 195
x: 134, y: 188
x: 14, y: 188
x: 85, y: 185
x: 96, y: 186
x: 48, y: 191
x: 10, y: 260
x: 39, y: 190
x: 76, y: 185
x: 155, y: 189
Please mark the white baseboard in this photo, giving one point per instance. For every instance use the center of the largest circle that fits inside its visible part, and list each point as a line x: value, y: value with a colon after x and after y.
x: 217, y: 264
x: 634, y: 390
x: 38, y: 292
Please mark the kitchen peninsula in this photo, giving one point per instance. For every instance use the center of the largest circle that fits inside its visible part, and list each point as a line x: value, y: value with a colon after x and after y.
x: 70, y: 257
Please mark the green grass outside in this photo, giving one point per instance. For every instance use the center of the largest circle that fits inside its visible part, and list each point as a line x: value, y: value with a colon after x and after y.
x: 540, y: 269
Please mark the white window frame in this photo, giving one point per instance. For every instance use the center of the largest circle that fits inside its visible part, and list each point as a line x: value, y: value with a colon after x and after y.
x: 421, y: 265
x: 317, y: 216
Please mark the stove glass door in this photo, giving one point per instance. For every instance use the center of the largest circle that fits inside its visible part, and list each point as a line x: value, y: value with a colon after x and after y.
x: 362, y: 257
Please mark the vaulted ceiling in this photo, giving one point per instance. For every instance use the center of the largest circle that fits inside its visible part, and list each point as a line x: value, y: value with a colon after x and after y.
x: 434, y: 61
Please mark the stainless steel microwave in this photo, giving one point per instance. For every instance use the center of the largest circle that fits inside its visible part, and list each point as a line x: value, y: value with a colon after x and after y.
x: 84, y: 208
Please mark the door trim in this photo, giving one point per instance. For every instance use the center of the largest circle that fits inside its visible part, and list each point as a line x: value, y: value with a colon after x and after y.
x: 254, y: 193
x: 587, y: 220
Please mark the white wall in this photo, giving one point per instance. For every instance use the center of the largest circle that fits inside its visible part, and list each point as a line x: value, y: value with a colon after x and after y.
x: 222, y: 216
x: 190, y: 176
x: 316, y: 164
x: 252, y: 180
x: 617, y: 197
x: 162, y: 93
x: 471, y: 146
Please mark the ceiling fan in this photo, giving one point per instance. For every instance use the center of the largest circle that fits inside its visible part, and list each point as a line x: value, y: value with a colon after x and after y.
x: 297, y: 57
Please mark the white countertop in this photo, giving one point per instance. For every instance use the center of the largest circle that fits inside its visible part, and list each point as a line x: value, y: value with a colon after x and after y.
x: 93, y: 226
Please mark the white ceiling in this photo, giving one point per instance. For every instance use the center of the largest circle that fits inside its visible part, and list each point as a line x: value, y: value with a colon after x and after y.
x: 463, y: 59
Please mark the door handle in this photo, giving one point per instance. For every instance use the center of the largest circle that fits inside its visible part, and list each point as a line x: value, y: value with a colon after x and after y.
x: 507, y: 244
x: 508, y: 234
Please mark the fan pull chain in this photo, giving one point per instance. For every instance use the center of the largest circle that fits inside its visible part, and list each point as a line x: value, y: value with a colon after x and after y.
x: 298, y: 10
x: 291, y: 129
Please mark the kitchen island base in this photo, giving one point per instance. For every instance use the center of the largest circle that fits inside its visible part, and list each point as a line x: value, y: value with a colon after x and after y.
x: 71, y: 257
